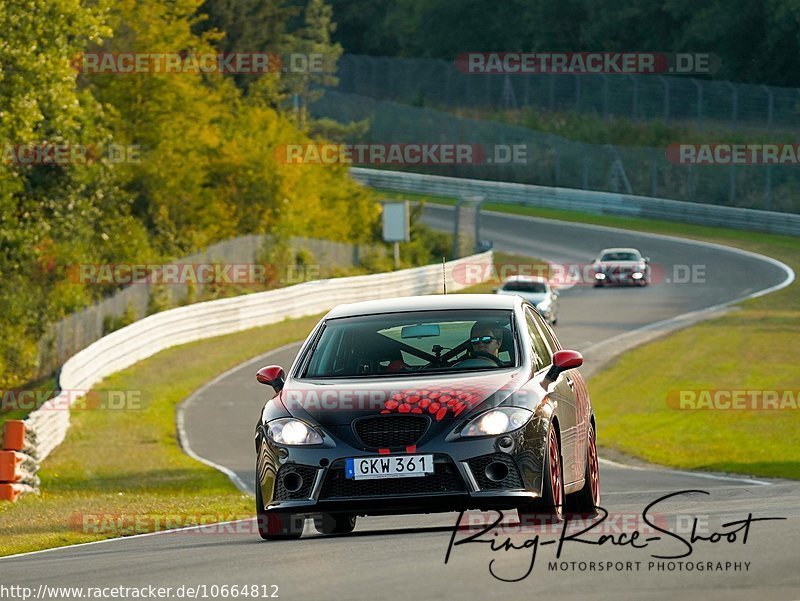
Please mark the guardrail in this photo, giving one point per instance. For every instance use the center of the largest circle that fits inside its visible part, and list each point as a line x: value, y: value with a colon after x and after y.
x: 31, y: 440
x: 585, y: 201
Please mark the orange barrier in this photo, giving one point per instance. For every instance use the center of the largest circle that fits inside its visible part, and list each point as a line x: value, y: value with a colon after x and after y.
x: 10, y: 466
x: 14, y: 435
x: 10, y: 492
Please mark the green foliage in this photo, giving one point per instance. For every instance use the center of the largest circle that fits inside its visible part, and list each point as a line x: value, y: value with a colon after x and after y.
x: 593, y: 129
x: 112, y: 322
x: 208, y: 167
x: 756, y: 41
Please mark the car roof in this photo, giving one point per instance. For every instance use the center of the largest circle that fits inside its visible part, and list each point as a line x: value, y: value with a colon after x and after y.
x: 525, y: 278
x: 431, y: 302
x: 619, y: 250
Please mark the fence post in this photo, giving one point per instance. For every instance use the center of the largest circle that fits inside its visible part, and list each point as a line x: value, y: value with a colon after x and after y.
x: 448, y: 73
x: 732, y: 184
x: 557, y: 165
x: 699, y: 103
x: 689, y: 182
x: 527, y: 90
x: 769, y: 108
x: 635, y: 95
x: 654, y: 156
x: 769, y: 188
x: 577, y: 93
x: 734, y: 104
x: 585, y: 178
x: 665, y: 81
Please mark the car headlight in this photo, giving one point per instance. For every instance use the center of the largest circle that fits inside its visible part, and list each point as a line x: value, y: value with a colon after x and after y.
x: 291, y: 431
x: 600, y: 275
x: 637, y: 275
x: 497, y: 421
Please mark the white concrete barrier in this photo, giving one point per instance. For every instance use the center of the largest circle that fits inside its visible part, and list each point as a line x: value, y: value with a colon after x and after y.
x: 46, y: 427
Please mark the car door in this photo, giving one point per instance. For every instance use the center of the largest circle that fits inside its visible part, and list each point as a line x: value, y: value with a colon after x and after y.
x: 568, y: 408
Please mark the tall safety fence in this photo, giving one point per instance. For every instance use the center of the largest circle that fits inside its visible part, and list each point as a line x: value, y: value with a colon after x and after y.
x: 28, y: 442
x: 550, y: 160
x: 667, y: 98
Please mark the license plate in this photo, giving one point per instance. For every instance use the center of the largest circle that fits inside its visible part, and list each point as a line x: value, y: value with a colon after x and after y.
x: 401, y: 466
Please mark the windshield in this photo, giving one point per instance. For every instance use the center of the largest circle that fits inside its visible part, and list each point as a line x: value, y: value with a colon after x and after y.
x: 395, y: 344
x: 620, y: 256
x: 523, y: 286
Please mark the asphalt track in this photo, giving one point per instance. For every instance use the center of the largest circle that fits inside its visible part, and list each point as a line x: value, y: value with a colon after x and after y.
x: 404, y: 557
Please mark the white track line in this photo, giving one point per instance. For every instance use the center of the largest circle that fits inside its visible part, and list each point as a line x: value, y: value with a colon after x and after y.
x: 123, y: 538
x: 183, y: 438
x: 665, y: 470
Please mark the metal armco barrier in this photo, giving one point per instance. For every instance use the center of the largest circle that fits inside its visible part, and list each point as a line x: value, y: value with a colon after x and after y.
x: 584, y: 201
x: 44, y: 429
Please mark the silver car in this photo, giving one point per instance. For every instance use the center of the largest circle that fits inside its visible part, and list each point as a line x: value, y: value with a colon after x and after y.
x: 537, y: 291
x: 618, y: 266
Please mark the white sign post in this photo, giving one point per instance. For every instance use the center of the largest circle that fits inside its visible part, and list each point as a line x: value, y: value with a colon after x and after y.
x: 396, y: 226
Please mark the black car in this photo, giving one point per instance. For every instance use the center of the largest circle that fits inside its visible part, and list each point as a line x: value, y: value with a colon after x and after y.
x: 425, y: 404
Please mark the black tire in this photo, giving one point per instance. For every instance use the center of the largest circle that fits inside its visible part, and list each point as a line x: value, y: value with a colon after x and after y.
x: 335, y: 523
x: 550, y: 507
x: 276, y: 526
x: 586, y: 501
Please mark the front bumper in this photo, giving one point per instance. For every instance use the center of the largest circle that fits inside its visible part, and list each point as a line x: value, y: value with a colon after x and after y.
x: 459, y: 482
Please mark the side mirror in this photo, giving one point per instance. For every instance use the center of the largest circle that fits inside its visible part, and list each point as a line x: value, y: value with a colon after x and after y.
x: 562, y: 361
x: 272, y: 375
x: 647, y: 259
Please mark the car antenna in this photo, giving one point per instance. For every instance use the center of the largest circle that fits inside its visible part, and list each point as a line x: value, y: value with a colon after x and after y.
x: 444, y: 277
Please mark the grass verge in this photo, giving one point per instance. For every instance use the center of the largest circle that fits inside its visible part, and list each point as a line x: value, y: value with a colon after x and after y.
x: 127, y: 465
x: 752, y: 348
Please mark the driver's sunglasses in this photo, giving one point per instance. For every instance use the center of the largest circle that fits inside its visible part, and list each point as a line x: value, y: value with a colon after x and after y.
x: 483, y: 339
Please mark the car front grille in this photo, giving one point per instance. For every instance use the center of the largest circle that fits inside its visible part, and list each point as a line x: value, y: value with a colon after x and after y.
x: 387, y: 432
x: 478, y: 468
x: 306, y: 472
x: 445, y: 479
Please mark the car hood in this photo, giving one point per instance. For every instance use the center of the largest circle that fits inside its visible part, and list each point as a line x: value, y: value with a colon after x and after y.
x: 532, y: 297
x: 443, y: 398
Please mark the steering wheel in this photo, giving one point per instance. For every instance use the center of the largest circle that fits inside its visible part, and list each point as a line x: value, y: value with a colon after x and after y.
x: 483, y: 355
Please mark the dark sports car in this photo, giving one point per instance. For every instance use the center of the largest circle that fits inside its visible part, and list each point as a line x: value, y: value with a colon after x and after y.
x: 425, y: 404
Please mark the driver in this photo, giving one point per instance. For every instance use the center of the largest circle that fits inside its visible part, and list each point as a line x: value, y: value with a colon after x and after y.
x: 486, y: 337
